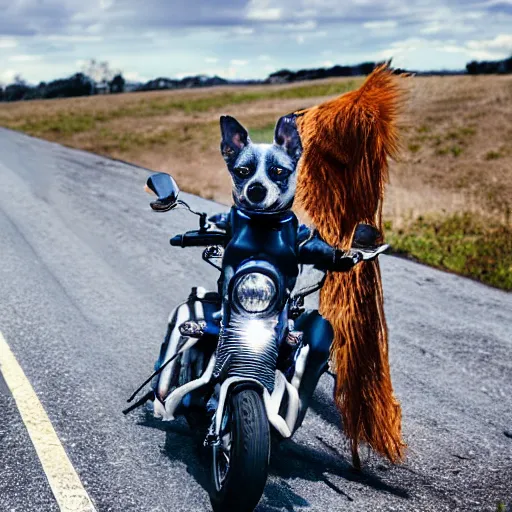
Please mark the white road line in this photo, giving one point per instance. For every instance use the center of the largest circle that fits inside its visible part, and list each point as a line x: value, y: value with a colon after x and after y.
x: 62, y: 477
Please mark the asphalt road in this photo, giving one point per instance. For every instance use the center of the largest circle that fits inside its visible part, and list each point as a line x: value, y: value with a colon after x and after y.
x: 87, y: 279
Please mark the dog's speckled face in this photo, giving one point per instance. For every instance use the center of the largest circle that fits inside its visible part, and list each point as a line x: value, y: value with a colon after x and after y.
x: 264, y: 175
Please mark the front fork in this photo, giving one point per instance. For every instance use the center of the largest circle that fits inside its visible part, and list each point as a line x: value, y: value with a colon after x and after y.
x: 284, y: 425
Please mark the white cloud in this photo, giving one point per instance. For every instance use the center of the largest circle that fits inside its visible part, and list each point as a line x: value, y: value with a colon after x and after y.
x: 491, y: 3
x: 433, y: 28
x: 450, y: 26
x: 439, y: 53
x: 451, y: 48
x: 380, y: 25
x: 134, y: 76
x: 499, y: 47
x: 211, y: 60
x: 474, y: 15
x: 263, y: 10
x: 306, y: 13
x: 405, y: 53
x: 70, y: 38
x: 502, y: 43
x: 303, y: 26
x: 7, y: 42
x: 7, y: 76
x: 416, y: 43
x: 440, y: 45
x: 272, y: 14
x: 242, y: 31
x: 309, y: 36
x: 95, y: 28
x: 327, y: 63
x: 106, y: 4
x: 24, y: 58
x: 239, y: 62
x: 264, y: 58
x: 482, y: 55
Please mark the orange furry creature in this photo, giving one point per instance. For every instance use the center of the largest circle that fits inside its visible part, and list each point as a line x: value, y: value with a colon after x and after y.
x: 346, y: 144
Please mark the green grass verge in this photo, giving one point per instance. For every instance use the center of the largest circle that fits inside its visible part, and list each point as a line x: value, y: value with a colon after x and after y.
x: 264, y: 134
x: 217, y: 101
x: 464, y: 244
x: 68, y: 123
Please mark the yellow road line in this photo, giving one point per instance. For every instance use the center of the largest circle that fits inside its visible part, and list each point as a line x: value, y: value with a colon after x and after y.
x: 64, y: 481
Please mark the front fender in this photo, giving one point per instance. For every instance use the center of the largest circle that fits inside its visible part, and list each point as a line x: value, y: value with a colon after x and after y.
x: 223, y: 394
x: 272, y: 402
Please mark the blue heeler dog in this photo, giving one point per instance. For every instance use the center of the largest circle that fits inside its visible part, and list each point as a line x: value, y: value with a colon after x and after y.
x: 264, y: 175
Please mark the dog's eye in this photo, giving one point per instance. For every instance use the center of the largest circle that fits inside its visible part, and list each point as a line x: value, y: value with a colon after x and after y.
x: 242, y: 172
x: 279, y: 173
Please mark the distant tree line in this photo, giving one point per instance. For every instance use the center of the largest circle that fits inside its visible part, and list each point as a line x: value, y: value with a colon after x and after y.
x: 98, y: 78
x: 286, y: 76
x: 76, y: 85
x: 81, y: 84
x: 184, y: 83
x: 489, y: 67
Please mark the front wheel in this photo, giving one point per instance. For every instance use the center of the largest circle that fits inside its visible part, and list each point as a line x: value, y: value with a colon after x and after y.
x: 240, y: 460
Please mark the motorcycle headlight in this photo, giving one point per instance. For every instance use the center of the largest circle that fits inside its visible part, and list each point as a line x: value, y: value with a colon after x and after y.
x: 255, y: 292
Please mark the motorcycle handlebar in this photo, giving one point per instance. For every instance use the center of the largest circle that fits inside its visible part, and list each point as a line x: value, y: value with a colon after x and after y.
x: 198, y: 239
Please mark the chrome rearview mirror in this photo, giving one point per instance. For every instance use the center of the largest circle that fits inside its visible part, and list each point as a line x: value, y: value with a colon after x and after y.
x: 165, y: 188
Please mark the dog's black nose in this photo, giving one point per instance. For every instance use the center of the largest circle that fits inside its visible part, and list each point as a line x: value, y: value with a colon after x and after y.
x: 256, y: 193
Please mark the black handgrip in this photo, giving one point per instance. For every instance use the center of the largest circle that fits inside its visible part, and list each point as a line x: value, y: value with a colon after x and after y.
x: 177, y: 241
x: 199, y: 239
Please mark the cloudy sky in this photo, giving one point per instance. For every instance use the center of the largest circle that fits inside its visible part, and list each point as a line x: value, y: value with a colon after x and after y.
x: 45, y: 39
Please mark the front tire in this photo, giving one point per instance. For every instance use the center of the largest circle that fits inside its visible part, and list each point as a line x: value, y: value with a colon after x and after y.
x: 240, y: 462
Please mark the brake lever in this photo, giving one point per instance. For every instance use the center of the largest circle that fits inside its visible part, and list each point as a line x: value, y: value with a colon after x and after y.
x: 371, y: 254
x: 213, y: 251
x: 297, y: 301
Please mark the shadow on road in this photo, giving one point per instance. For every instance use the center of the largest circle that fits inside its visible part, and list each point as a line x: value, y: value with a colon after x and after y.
x: 294, y: 460
x: 289, y: 461
x: 323, y: 405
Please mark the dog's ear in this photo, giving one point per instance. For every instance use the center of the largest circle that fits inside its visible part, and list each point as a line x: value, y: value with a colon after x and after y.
x: 287, y: 136
x: 234, y: 137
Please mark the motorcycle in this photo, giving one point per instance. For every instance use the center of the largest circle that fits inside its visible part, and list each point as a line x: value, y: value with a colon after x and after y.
x: 243, y: 362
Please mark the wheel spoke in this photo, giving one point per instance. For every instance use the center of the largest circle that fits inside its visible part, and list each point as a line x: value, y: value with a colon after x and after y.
x: 221, y: 453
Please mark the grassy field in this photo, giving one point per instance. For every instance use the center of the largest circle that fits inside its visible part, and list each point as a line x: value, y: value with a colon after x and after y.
x: 449, y: 199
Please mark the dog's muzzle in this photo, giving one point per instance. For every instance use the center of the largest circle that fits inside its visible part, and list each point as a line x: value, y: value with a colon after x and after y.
x: 256, y: 193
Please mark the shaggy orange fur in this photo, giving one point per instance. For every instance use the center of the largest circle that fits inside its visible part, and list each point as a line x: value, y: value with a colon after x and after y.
x: 343, y: 169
